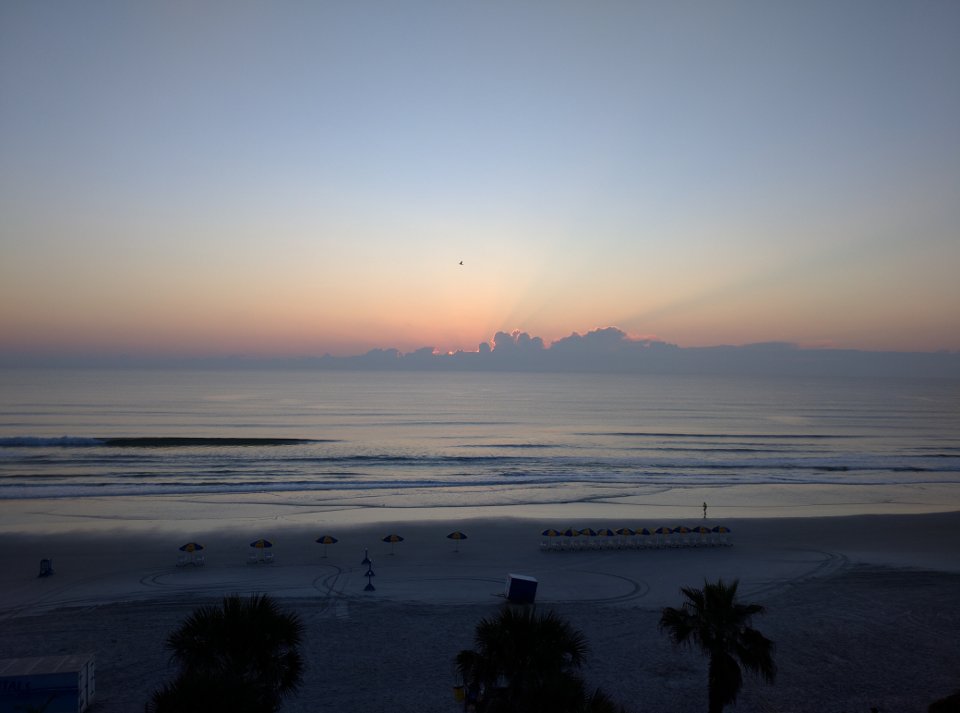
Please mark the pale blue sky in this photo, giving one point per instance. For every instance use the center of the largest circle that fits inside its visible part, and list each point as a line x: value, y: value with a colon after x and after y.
x: 304, y: 177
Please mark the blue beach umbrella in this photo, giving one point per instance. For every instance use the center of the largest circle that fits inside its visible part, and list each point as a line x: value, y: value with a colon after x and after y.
x: 191, y: 548
x: 392, y: 539
x: 456, y: 536
x: 721, y: 531
x: 326, y: 540
x: 624, y: 533
x: 260, y: 546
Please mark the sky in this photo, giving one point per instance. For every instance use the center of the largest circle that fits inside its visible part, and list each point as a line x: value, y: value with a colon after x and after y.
x: 305, y: 178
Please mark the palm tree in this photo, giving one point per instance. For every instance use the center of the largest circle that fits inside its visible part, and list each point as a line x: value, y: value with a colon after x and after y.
x: 240, y: 656
x: 526, y: 662
x: 712, y: 619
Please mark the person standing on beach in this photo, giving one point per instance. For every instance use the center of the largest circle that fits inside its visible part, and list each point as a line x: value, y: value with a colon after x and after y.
x: 704, y: 511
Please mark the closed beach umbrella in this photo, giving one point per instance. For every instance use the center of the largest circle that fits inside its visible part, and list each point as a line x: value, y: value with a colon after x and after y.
x: 392, y: 539
x: 326, y: 540
x: 456, y: 536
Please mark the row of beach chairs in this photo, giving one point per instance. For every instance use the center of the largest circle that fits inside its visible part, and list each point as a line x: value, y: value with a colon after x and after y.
x: 191, y: 559
x: 626, y: 538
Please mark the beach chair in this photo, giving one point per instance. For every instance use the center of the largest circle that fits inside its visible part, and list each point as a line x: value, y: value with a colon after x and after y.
x: 183, y: 560
x: 252, y: 558
x: 268, y: 557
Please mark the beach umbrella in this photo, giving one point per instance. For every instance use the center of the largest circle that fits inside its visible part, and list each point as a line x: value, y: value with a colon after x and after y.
x: 551, y: 533
x: 607, y: 534
x: 662, y: 533
x: 590, y: 532
x: 682, y: 530
x: 722, y: 533
x: 456, y: 537
x: 702, y: 532
x: 571, y: 533
x: 625, y: 531
x: 392, y: 539
x: 326, y: 540
x: 191, y: 548
x: 644, y: 531
x: 261, y: 545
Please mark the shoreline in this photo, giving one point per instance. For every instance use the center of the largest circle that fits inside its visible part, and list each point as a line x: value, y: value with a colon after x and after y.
x: 209, y: 512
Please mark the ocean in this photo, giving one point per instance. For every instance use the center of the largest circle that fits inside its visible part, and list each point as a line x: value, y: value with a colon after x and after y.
x: 473, y: 438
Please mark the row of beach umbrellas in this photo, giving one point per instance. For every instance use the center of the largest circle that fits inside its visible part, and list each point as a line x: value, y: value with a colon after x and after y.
x: 261, y: 544
x: 625, y: 532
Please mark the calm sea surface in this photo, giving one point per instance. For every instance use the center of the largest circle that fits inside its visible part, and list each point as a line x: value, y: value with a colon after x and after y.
x: 96, y: 433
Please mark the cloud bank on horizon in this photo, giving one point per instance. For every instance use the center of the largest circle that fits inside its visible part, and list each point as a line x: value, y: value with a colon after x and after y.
x: 602, y: 350
x: 610, y: 349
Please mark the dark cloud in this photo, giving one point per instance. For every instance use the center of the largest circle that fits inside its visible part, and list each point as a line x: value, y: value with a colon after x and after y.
x: 606, y: 350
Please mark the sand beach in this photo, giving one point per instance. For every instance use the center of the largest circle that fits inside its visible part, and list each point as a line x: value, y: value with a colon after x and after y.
x: 862, y: 607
